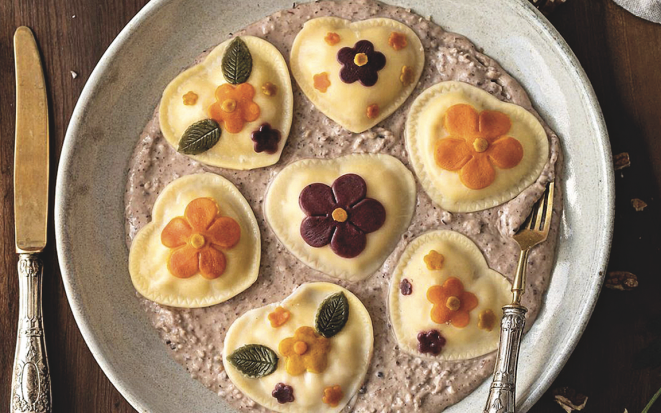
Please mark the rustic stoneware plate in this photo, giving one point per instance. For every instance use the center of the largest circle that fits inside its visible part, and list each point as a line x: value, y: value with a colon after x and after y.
x: 164, y: 38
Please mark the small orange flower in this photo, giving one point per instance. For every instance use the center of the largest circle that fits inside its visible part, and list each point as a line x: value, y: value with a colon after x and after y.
x: 397, y: 40
x: 234, y: 106
x: 476, y: 144
x: 434, y: 260
x: 332, y: 38
x: 306, y: 351
x: 278, y: 317
x: 190, y: 98
x: 373, y: 111
x: 451, y: 303
x: 333, y: 395
x: 406, y: 75
x: 197, y: 238
x: 321, y: 82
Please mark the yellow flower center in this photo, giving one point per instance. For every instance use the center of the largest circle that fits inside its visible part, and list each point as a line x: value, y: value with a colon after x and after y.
x: 480, y: 145
x: 453, y: 303
x: 360, y: 59
x: 197, y: 241
x: 300, y: 347
x: 340, y: 215
x: 228, y: 105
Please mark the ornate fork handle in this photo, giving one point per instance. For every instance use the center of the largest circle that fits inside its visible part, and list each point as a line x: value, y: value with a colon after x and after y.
x: 30, y: 390
x: 503, y: 386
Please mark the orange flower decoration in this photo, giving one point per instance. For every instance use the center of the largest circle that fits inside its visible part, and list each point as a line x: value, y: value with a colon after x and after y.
x: 278, y: 317
x: 476, y: 144
x: 306, y: 351
x: 196, y: 240
x: 333, y: 395
x: 234, y: 106
x: 451, y: 303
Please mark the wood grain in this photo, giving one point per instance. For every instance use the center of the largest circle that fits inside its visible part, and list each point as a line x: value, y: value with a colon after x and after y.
x: 622, y: 56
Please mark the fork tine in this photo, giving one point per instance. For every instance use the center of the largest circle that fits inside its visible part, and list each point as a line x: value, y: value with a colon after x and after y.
x: 549, y: 207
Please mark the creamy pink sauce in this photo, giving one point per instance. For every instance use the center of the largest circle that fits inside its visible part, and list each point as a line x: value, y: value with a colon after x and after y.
x: 395, y: 382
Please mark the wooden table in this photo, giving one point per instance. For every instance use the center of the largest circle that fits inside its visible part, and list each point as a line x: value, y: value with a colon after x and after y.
x: 622, y: 56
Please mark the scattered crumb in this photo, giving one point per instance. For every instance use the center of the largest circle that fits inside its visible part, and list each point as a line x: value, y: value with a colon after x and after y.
x: 638, y: 204
x: 621, y: 280
x: 621, y: 161
x: 74, y: 74
x: 569, y: 399
x: 73, y: 17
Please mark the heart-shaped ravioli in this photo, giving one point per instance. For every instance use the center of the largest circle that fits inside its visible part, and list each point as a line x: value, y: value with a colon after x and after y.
x: 445, y: 302
x: 309, y: 353
x: 470, y: 150
x: 342, y: 216
x: 202, y: 246
x: 357, y: 73
x: 234, y: 109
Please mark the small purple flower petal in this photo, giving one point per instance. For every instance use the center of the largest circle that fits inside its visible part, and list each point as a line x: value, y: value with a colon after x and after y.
x: 348, y: 189
x: 317, y: 230
x: 348, y: 241
x: 368, y: 215
x: 266, y: 139
x: 317, y: 199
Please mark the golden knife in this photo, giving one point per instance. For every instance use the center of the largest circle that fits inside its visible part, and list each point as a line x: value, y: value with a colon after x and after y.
x: 31, y: 391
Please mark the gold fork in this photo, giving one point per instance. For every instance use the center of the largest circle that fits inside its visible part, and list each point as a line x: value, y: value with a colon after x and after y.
x: 534, y: 231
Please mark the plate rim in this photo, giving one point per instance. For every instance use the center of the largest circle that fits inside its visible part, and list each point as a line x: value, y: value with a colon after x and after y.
x: 526, y: 10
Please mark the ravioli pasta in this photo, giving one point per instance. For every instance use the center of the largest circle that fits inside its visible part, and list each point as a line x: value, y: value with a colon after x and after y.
x: 445, y: 302
x: 202, y: 246
x: 322, y: 377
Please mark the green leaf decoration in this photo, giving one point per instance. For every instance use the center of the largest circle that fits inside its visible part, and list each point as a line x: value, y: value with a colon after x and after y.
x: 199, y: 137
x: 332, y: 315
x: 254, y: 360
x: 237, y: 62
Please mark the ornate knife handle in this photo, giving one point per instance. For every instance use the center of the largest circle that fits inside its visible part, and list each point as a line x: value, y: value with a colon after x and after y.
x: 30, y: 389
x: 503, y: 385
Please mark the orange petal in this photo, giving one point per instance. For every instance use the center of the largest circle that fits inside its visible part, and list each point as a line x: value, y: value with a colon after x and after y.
x: 452, y: 153
x: 477, y: 173
x: 461, y: 120
x: 436, y: 294
x: 250, y: 112
x: 183, y: 262
x: 494, y: 124
x: 453, y: 287
x: 212, y: 263
x: 216, y: 113
x: 461, y: 319
x: 468, y: 301
x: 225, y: 232
x: 233, y: 121
x: 440, y: 314
x: 176, y: 233
x: 506, y: 152
x: 244, y: 91
x: 201, y: 212
x: 224, y: 91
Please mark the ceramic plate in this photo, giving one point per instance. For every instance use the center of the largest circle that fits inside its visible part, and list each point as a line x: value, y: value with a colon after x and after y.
x: 119, y: 99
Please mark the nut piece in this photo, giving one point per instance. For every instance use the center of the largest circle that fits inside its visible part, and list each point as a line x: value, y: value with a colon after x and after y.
x: 621, y: 280
x: 621, y: 161
x: 569, y: 399
x: 638, y: 204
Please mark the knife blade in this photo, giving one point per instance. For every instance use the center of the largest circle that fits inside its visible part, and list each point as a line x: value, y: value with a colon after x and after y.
x: 31, y: 388
x: 31, y: 150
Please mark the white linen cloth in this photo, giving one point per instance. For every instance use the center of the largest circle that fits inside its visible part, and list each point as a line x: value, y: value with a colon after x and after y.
x: 647, y: 9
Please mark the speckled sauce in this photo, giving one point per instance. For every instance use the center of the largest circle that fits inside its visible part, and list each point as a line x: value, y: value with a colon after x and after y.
x: 395, y: 382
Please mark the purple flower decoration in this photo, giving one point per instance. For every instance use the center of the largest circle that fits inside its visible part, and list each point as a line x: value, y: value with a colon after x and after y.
x: 430, y: 342
x: 284, y: 393
x: 340, y: 215
x: 360, y: 62
x: 266, y: 139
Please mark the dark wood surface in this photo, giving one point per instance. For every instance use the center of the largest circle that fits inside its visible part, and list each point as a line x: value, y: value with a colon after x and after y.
x: 622, y: 56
